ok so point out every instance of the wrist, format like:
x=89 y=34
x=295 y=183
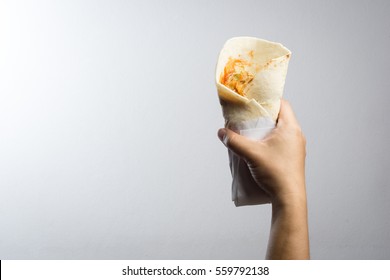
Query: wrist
x=293 y=197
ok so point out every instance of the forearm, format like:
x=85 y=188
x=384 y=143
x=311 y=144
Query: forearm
x=289 y=238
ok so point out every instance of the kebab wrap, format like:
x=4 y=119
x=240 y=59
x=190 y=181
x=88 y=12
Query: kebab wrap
x=250 y=77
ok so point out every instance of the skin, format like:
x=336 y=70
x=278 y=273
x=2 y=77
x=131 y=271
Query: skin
x=277 y=163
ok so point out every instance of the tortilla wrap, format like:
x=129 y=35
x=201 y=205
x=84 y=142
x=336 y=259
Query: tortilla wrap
x=250 y=77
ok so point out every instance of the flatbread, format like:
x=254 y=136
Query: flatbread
x=267 y=62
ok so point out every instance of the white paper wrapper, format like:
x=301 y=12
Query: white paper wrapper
x=245 y=191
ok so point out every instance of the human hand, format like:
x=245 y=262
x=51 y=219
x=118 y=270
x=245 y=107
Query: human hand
x=277 y=163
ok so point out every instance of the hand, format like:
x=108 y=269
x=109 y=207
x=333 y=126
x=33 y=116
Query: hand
x=277 y=163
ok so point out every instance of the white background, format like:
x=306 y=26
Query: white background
x=192 y=269
x=109 y=115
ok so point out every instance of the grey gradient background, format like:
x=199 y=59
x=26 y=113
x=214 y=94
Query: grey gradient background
x=109 y=115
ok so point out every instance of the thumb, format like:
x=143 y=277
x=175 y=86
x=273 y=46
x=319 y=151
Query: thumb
x=237 y=143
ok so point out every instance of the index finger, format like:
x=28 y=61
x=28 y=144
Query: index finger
x=286 y=114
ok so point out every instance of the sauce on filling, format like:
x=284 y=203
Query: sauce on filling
x=236 y=75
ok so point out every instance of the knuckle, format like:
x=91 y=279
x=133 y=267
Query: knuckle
x=304 y=139
x=230 y=140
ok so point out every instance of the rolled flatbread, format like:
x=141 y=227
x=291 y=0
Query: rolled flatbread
x=250 y=77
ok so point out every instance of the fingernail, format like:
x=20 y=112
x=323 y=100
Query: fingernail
x=222 y=135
